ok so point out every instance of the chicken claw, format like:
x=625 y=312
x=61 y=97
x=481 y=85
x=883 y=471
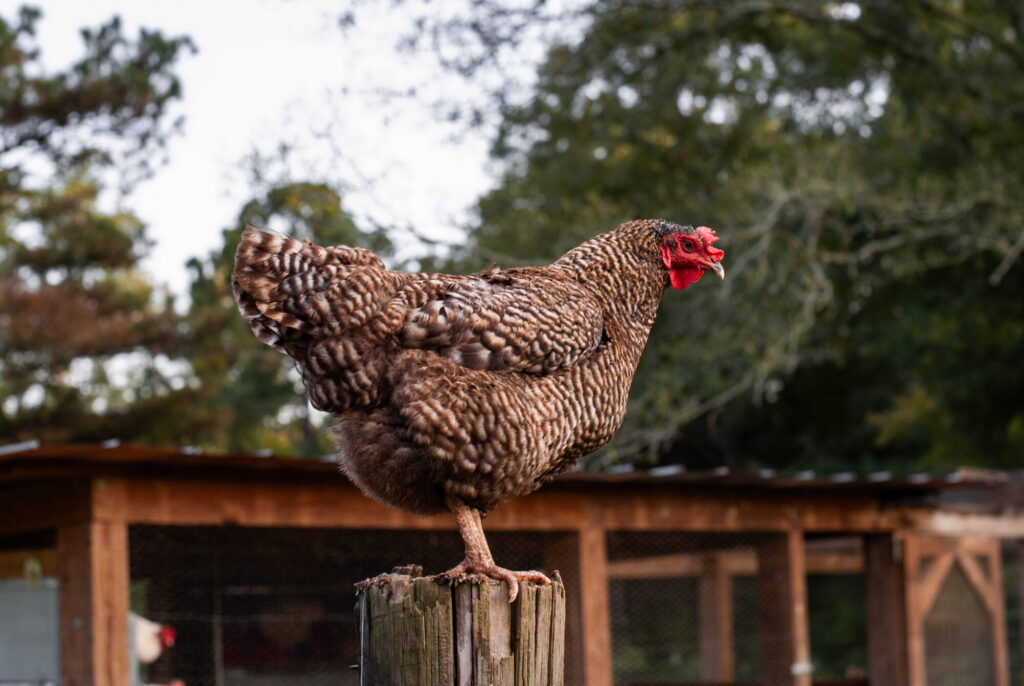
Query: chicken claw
x=493 y=571
x=478 y=554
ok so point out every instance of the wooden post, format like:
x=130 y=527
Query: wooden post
x=887 y=623
x=421 y=631
x=94 y=604
x=594 y=603
x=782 y=606
x=717 y=661
x=1020 y=594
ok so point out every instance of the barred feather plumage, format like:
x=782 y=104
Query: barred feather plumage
x=480 y=387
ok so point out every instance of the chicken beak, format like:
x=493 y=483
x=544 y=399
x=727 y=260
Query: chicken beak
x=717 y=268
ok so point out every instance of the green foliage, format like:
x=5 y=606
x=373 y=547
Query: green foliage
x=111 y=105
x=89 y=350
x=86 y=344
x=861 y=164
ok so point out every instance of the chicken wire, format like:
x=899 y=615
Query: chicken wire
x=274 y=606
x=270 y=606
x=958 y=637
x=703 y=608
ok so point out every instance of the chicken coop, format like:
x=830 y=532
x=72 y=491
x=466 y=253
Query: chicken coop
x=672 y=577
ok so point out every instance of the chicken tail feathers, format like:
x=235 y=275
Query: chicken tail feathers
x=285 y=287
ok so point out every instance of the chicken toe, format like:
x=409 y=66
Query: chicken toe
x=478 y=558
x=493 y=571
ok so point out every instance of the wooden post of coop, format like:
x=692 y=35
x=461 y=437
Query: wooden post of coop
x=425 y=631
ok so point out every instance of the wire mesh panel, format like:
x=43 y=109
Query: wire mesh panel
x=274 y=606
x=692 y=608
x=958 y=636
x=837 y=609
x=956 y=619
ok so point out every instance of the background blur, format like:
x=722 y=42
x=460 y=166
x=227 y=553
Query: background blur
x=861 y=162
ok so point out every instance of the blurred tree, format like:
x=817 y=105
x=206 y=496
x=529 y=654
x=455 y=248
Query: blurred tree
x=862 y=164
x=251 y=391
x=86 y=347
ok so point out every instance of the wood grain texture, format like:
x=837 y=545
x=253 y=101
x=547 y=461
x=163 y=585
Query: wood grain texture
x=421 y=631
x=94 y=604
x=782 y=609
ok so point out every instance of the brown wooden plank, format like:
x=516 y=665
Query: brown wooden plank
x=991 y=597
x=1020 y=592
x=885 y=609
x=1001 y=656
x=801 y=669
x=335 y=503
x=734 y=562
x=43 y=505
x=947 y=523
x=93 y=602
x=913 y=609
x=717 y=661
x=75 y=605
x=595 y=611
x=782 y=609
x=562 y=554
x=930 y=583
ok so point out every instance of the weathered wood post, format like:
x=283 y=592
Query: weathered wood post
x=427 y=631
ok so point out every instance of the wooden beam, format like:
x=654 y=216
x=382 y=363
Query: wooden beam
x=1002 y=658
x=782 y=610
x=562 y=554
x=336 y=503
x=93 y=600
x=795 y=552
x=887 y=658
x=1020 y=594
x=44 y=505
x=733 y=562
x=928 y=583
x=595 y=610
x=717 y=659
x=963 y=524
x=913 y=610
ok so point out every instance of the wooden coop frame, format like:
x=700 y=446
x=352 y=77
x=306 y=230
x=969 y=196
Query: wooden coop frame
x=91 y=495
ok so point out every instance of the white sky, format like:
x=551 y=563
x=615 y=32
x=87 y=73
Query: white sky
x=268 y=70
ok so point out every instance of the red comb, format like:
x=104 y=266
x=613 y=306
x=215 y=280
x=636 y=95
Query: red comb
x=167 y=635
x=708 y=236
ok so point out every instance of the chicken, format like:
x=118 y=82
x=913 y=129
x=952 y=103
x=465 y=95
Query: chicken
x=149 y=639
x=459 y=392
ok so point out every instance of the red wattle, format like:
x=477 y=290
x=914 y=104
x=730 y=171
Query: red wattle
x=681 y=277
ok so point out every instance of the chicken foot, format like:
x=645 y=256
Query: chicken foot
x=478 y=558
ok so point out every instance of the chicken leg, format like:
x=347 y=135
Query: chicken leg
x=478 y=558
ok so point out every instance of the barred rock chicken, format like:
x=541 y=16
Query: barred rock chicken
x=458 y=392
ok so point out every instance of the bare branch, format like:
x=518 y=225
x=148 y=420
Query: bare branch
x=1008 y=261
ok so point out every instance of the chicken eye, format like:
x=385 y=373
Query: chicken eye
x=688 y=245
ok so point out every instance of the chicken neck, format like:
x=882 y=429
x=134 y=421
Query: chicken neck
x=478 y=558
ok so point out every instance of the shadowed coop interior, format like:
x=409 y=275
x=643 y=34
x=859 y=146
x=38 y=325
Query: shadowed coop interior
x=268 y=606
x=272 y=605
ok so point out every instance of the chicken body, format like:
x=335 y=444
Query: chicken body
x=459 y=392
x=149 y=638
